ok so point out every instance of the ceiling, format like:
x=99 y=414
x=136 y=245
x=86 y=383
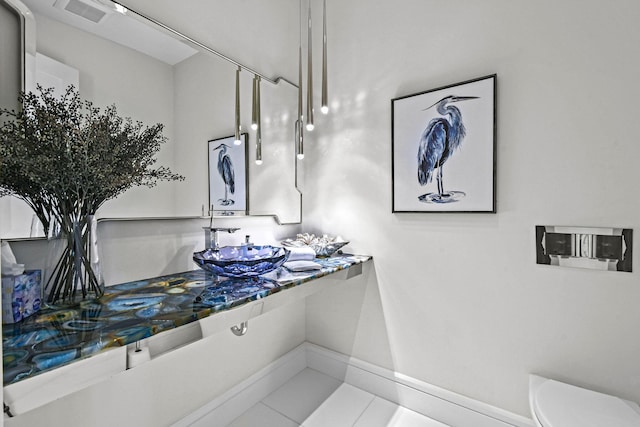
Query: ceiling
x=103 y=19
x=260 y=34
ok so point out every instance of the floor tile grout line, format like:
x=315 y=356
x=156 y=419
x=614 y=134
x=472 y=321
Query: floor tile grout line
x=365 y=409
x=275 y=410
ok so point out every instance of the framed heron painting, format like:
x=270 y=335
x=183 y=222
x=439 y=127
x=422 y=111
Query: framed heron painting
x=443 y=147
x=228 y=176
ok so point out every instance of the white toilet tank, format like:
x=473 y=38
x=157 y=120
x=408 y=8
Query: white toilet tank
x=556 y=404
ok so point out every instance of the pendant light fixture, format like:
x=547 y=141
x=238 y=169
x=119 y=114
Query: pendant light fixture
x=325 y=102
x=254 y=107
x=258 y=121
x=299 y=121
x=299 y=128
x=310 y=124
x=237 y=140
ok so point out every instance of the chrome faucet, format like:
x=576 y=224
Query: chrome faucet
x=211 y=236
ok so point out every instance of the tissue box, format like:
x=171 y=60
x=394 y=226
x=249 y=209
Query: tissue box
x=21 y=296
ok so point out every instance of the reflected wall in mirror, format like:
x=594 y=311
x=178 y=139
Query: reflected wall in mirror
x=155 y=78
x=10 y=69
x=17 y=53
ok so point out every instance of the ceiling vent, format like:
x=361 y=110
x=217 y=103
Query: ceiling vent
x=87 y=10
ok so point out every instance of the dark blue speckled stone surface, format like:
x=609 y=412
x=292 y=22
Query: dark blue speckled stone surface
x=136 y=310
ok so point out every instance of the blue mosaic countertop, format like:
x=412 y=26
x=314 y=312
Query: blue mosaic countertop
x=132 y=311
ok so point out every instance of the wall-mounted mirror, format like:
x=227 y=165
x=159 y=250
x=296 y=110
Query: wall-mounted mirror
x=117 y=57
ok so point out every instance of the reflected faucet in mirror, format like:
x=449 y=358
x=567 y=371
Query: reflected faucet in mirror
x=211 y=236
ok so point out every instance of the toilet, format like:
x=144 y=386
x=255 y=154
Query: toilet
x=556 y=404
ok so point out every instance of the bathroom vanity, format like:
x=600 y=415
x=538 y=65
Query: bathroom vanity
x=90 y=340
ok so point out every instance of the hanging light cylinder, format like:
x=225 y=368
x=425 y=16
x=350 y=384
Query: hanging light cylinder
x=237 y=140
x=325 y=95
x=258 y=122
x=310 y=124
x=254 y=106
x=299 y=121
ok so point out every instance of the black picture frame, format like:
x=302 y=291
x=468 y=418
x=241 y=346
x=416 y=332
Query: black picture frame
x=428 y=146
x=230 y=198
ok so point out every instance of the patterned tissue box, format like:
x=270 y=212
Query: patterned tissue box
x=21 y=296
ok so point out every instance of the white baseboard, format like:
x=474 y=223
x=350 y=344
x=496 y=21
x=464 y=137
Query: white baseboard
x=434 y=402
x=222 y=410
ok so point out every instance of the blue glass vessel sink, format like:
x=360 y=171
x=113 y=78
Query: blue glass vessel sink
x=241 y=261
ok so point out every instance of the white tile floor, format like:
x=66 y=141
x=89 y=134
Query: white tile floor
x=312 y=399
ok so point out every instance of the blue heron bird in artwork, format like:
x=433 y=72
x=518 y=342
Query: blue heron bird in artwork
x=225 y=169
x=442 y=136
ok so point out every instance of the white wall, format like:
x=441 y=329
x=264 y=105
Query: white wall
x=457 y=299
x=140 y=249
x=134 y=250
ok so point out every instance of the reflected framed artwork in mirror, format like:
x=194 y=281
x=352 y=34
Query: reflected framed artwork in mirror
x=228 y=176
